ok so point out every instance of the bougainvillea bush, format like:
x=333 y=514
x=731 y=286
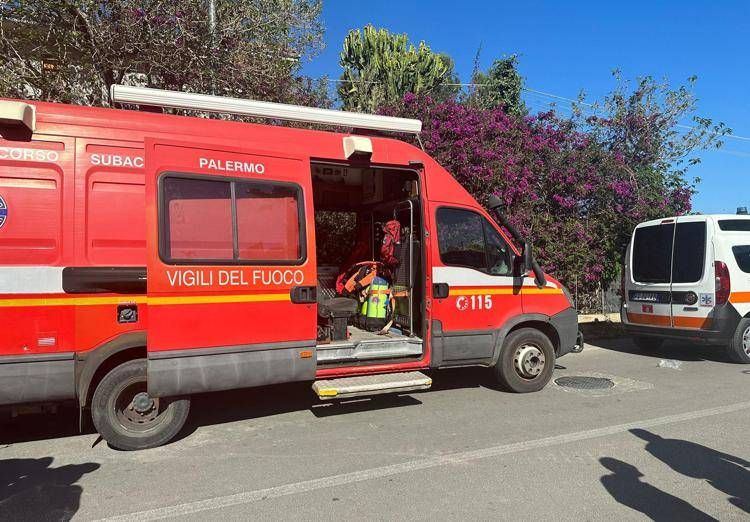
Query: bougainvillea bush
x=576 y=199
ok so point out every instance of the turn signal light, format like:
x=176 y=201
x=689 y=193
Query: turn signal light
x=305 y=354
x=723 y=282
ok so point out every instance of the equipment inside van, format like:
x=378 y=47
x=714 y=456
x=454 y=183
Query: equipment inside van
x=688 y=278
x=148 y=257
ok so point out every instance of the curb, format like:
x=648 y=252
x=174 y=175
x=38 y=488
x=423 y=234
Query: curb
x=599 y=318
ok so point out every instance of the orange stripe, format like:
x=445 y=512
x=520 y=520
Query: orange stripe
x=655 y=320
x=692 y=322
x=740 y=297
x=664 y=320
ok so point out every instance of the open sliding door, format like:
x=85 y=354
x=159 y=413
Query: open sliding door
x=231 y=268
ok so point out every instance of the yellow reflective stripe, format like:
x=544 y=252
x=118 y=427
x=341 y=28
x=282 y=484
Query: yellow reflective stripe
x=504 y=291
x=142 y=299
x=532 y=291
x=212 y=299
x=70 y=301
x=328 y=392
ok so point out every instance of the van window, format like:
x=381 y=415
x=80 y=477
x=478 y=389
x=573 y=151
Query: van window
x=742 y=255
x=267 y=222
x=652 y=253
x=199 y=219
x=466 y=239
x=689 y=252
x=735 y=225
x=227 y=221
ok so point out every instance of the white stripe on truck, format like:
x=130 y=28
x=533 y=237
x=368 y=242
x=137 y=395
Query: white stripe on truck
x=31 y=280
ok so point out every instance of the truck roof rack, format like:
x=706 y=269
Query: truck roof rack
x=125 y=94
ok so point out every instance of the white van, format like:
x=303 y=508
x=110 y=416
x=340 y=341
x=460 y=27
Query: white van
x=688 y=278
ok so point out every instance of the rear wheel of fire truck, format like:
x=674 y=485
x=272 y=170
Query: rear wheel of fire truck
x=127 y=417
x=739 y=349
x=526 y=362
x=647 y=344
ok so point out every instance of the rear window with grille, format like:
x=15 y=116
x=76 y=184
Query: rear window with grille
x=652 y=253
x=689 y=252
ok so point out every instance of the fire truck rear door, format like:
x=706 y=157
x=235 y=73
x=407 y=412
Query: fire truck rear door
x=231 y=268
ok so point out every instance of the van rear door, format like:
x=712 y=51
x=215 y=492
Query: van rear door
x=693 y=285
x=231 y=268
x=648 y=290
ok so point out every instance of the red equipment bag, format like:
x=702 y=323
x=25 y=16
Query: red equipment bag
x=391 y=237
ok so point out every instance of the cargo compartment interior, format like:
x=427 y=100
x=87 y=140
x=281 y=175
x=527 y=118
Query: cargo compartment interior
x=352 y=204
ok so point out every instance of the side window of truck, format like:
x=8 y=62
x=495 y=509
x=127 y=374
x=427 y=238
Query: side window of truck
x=230 y=221
x=742 y=255
x=466 y=239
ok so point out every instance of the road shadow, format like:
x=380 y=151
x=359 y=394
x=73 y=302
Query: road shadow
x=625 y=485
x=63 y=422
x=237 y=405
x=678 y=350
x=727 y=473
x=253 y=403
x=31 y=489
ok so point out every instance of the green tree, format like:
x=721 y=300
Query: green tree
x=380 y=67
x=499 y=87
x=74 y=50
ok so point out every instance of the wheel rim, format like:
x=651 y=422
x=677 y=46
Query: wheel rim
x=529 y=361
x=746 y=341
x=135 y=410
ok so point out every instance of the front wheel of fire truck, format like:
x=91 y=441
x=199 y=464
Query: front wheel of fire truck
x=739 y=347
x=127 y=417
x=526 y=361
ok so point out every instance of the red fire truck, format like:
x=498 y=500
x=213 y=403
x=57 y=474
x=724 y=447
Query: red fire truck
x=148 y=257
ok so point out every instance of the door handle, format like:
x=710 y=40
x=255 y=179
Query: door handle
x=304 y=294
x=440 y=290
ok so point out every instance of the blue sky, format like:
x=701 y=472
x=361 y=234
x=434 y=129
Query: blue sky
x=566 y=47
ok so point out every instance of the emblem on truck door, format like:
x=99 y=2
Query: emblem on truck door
x=3 y=212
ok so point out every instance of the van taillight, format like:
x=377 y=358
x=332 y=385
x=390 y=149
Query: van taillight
x=723 y=282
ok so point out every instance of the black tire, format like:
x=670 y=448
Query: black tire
x=526 y=361
x=647 y=344
x=127 y=418
x=739 y=348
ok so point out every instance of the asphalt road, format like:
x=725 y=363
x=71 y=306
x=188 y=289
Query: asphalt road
x=662 y=443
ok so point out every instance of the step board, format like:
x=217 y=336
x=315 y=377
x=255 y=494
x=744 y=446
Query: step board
x=383 y=348
x=371 y=385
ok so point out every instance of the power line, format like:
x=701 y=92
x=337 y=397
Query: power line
x=579 y=102
x=545 y=94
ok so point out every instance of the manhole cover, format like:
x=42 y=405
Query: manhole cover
x=585 y=383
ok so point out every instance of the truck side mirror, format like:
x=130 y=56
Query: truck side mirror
x=528 y=258
x=494 y=203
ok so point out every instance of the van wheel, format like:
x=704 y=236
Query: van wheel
x=647 y=344
x=127 y=417
x=739 y=349
x=526 y=362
